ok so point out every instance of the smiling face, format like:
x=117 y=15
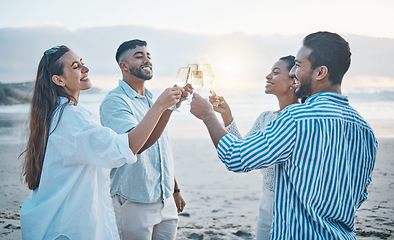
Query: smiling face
x=278 y=80
x=139 y=63
x=75 y=75
x=302 y=73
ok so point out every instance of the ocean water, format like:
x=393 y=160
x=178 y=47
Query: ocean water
x=376 y=105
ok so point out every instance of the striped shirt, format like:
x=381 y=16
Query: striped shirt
x=324 y=154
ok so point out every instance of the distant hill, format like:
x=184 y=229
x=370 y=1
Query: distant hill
x=15 y=93
x=22 y=48
x=20 y=93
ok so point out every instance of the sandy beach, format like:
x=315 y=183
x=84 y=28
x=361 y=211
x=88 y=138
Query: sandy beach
x=220 y=204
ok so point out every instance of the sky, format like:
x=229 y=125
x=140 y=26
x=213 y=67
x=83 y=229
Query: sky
x=284 y=17
x=373 y=18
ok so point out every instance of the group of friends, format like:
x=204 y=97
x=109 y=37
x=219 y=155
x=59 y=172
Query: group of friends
x=316 y=152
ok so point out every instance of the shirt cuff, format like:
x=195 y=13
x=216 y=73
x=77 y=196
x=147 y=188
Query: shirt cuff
x=233 y=129
x=125 y=149
x=230 y=126
x=224 y=144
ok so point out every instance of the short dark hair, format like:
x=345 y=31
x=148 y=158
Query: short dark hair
x=131 y=44
x=330 y=50
x=290 y=60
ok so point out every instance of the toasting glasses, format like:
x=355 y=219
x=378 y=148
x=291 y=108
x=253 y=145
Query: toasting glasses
x=201 y=72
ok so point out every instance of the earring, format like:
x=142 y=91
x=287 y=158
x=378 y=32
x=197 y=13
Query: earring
x=291 y=88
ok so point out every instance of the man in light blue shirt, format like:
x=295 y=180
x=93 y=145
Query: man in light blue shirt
x=145 y=195
x=323 y=150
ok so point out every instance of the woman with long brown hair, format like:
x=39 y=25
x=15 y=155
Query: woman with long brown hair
x=67 y=149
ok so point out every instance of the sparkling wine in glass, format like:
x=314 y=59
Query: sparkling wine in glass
x=194 y=63
x=197 y=80
x=208 y=75
x=181 y=81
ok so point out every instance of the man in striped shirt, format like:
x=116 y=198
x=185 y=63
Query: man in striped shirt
x=323 y=149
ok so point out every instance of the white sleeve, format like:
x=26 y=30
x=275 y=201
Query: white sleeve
x=233 y=129
x=261 y=122
x=78 y=138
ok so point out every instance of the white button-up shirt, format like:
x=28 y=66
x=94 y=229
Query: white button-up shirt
x=72 y=199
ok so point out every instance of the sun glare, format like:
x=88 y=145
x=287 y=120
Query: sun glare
x=227 y=71
x=228 y=66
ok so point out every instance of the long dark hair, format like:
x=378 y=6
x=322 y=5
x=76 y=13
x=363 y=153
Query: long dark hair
x=43 y=105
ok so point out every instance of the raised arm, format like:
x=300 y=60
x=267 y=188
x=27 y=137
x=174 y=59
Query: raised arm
x=165 y=117
x=156 y=133
x=203 y=110
x=142 y=132
x=221 y=106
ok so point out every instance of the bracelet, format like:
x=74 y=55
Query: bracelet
x=177 y=190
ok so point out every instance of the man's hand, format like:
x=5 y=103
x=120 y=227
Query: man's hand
x=169 y=97
x=179 y=202
x=201 y=108
x=186 y=91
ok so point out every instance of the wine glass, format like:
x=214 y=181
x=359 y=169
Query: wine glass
x=197 y=80
x=208 y=75
x=194 y=63
x=181 y=81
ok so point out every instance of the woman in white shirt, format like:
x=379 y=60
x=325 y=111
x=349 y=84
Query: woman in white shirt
x=280 y=84
x=67 y=149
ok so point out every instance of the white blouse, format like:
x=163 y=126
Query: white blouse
x=260 y=124
x=264 y=220
x=72 y=200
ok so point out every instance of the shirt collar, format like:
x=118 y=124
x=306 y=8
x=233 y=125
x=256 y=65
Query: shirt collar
x=131 y=93
x=332 y=96
x=61 y=100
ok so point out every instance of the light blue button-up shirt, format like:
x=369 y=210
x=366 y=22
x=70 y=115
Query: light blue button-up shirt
x=151 y=178
x=324 y=154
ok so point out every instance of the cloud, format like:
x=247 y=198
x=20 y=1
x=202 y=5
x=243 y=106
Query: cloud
x=252 y=55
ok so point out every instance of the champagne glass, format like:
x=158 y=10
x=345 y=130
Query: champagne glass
x=208 y=75
x=193 y=65
x=181 y=81
x=197 y=80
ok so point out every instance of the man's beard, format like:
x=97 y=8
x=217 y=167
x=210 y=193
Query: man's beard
x=137 y=72
x=305 y=88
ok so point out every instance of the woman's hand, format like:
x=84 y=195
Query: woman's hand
x=221 y=106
